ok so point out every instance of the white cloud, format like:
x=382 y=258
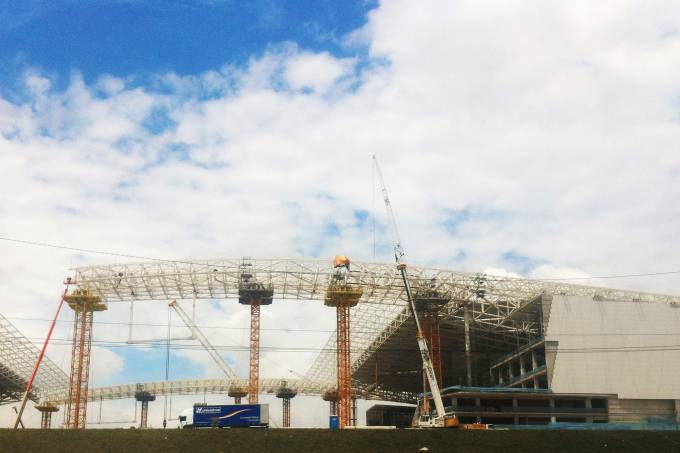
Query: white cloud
x=316 y=71
x=111 y=85
x=37 y=84
x=549 y=131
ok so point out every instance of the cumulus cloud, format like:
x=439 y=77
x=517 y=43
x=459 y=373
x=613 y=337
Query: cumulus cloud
x=523 y=138
x=316 y=72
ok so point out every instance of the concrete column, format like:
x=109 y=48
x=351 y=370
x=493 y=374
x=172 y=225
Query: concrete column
x=145 y=414
x=478 y=404
x=286 y=395
x=46 y=410
x=237 y=393
x=589 y=405
x=553 y=419
x=144 y=397
x=468 y=359
x=514 y=409
x=534 y=362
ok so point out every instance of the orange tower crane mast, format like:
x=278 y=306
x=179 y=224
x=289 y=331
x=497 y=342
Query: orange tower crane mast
x=83 y=304
x=253 y=293
x=254 y=361
x=428 y=302
x=342 y=295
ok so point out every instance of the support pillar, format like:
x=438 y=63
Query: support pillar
x=254 y=362
x=237 y=393
x=589 y=406
x=534 y=365
x=430 y=324
x=144 y=397
x=255 y=294
x=46 y=410
x=553 y=419
x=428 y=303
x=344 y=365
x=468 y=354
x=84 y=304
x=286 y=394
x=343 y=296
x=332 y=397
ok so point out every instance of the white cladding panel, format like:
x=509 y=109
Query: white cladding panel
x=628 y=348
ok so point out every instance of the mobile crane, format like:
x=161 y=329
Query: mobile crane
x=441 y=419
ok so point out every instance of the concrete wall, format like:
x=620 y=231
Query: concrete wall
x=641 y=410
x=612 y=348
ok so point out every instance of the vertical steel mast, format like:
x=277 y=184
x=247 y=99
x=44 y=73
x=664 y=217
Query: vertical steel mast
x=399 y=256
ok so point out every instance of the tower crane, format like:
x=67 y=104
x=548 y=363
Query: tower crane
x=441 y=418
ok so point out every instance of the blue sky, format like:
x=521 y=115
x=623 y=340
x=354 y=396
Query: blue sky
x=129 y=37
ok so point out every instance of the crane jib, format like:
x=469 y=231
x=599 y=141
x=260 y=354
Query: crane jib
x=398 y=256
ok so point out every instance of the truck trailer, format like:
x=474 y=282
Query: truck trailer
x=225 y=416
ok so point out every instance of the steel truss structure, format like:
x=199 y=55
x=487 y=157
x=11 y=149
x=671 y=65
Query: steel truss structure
x=84 y=304
x=254 y=354
x=496 y=306
x=17 y=359
x=218 y=386
x=344 y=365
x=286 y=394
x=286 y=412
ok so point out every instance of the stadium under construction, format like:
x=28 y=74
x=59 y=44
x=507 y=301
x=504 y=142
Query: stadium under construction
x=506 y=351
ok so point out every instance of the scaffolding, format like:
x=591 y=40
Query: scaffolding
x=83 y=304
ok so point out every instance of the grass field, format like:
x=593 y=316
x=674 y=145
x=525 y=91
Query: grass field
x=316 y=440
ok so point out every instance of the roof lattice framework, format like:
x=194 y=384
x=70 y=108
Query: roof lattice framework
x=497 y=304
x=17 y=359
